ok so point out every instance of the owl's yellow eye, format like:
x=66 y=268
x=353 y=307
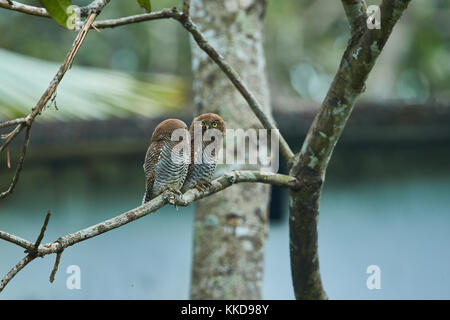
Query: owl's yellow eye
x=215 y=124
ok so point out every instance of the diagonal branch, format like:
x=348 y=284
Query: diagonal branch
x=14 y=270
x=310 y=164
x=356 y=14
x=348 y=83
x=41 y=234
x=203 y=43
x=49 y=92
x=32 y=254
x=152 y=206
x=19 y=165
x=10 y=136
x=27 y=245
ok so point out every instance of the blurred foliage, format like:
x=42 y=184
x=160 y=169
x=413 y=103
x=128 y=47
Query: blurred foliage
x=85 y=93
x=305 y=40
x=145 y=4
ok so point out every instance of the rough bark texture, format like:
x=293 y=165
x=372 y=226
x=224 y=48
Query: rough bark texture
x=230 y=227
x=310 y=164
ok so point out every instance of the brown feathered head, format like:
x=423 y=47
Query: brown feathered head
x=208 y=121
x=165 y=128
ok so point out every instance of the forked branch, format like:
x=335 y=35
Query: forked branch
x=27 y=122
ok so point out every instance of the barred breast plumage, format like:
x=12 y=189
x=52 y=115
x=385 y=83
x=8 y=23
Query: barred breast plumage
x=164 y=169
x=200 y=174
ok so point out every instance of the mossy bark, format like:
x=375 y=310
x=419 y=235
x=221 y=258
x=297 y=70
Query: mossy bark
x=230 y=227
x=310 y=164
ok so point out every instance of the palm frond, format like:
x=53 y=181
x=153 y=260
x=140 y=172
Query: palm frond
x=84 y=93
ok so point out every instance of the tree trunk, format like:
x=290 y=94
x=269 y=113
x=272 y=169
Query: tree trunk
x=230 y=227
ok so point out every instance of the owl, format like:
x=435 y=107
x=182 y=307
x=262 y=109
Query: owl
x=166 y=161
x=203 y=164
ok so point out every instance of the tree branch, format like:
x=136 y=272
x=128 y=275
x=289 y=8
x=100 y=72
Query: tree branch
x=19 y=165
x=11 y=274
x=349 y=82
x=32 y=254
x=10 y=136
x=96 y=6
x=155 y=15
x=152 y=206
x=12 y=122
x=55 y=266
x=27 y=245
x=310 y=164
x=186 y=7
x=356 y=14
x=41 y=234
x=24 y=8
x=203 y=43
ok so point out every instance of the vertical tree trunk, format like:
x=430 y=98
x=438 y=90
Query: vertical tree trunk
x=230 y=227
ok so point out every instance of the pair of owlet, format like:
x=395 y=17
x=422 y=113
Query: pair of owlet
x=166 y=166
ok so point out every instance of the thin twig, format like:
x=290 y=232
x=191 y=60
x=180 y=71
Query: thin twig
x=27 y=245
x=42 y=12
x=155 y=15
x=19 y=165
x=186 y=7
x=24 y=8
x=49 y=92
x=19 y=266
x=55 y=266
x=41 y=234
x=32 y=253
x=203 y=43
x=10 y=136
x=8 y=159
x=233 y=76
x=356 y=14
x=12 y=122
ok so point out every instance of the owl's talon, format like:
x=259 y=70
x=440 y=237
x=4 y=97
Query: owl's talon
x=177 y=192
x=173 y=195
x=207 y=185
x=203 y=186
x=199 y=187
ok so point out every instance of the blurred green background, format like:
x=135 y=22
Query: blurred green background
x=385 y=200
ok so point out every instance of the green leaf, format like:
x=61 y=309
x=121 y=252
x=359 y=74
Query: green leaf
x=145 y=4
x=61 y=11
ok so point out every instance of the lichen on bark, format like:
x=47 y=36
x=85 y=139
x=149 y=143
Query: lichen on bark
x=229 y=253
